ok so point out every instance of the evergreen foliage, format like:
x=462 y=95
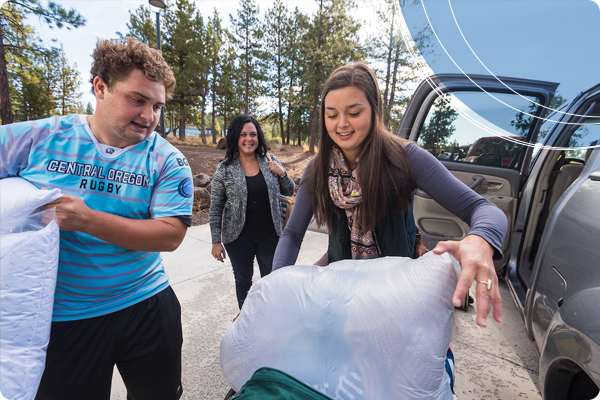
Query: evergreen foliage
x=28 y=88
x=272 y=65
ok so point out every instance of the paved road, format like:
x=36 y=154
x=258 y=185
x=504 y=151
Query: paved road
x=494 y=363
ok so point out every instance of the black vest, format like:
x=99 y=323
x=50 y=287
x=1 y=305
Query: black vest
x=395 y=235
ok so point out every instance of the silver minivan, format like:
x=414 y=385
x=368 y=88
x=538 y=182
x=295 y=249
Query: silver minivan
x=544 y=174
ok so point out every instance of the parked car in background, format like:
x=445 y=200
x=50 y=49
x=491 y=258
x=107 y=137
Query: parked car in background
x=548 y=184
x=495 y=150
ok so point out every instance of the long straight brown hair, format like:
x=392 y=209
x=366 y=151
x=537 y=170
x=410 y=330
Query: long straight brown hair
x=383 y=171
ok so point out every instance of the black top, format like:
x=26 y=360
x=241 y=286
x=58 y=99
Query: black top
x=259 y=222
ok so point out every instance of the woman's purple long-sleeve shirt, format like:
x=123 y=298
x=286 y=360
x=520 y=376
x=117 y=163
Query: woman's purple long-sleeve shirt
x=428 y=174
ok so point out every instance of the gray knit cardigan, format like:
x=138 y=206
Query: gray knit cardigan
x=229 y=196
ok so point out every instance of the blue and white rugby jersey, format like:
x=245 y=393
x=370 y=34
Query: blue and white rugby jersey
x=151 y=179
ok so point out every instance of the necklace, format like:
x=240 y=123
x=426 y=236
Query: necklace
x=246 y=170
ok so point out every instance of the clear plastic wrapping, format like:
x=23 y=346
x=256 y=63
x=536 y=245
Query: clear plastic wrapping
x=29 y=246
x=376 y=329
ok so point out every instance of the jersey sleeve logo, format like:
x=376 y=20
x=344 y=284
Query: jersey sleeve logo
x=186 y=188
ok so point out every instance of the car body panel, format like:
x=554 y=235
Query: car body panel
x=566 y=352
x=572 y=236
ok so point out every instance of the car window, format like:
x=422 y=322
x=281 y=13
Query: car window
x=585 y=137
x=543 y=133
x=582 y=140
x=475 y=127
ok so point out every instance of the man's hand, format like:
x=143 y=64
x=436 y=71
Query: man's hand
x=72 y=214
x=159 y=234
x=475 y=257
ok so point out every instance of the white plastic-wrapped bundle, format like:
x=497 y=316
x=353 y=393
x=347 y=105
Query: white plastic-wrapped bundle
x=376 y=329
x=28 y=267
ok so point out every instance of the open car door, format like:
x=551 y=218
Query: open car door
x=480 y=128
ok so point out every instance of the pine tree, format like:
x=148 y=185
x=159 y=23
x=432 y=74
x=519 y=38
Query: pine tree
x=67 y=96
x=230 y=100
x=12 y=13
x=330 y=42
x=389 y=48
x=35 y=75
x=182 y=51
x=296 y=26
x=276 y=39
x=141 y=26
x=217 y=40
x=441 y=124
x=247 y=35
x=204 y=69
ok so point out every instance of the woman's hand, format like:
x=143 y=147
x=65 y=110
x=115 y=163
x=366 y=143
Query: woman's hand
x=276 y=169
x=475 y=256
x=218 y=252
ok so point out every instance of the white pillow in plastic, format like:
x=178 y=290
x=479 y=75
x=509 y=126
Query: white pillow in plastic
x=376 y=329
x=19 y=199
x=28 y=269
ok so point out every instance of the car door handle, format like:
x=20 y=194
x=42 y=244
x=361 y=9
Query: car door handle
x=478 y=181
x=493 y=186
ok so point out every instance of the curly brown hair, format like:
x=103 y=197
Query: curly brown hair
x=114 y=59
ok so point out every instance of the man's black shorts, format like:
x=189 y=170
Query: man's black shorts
x=143 y=340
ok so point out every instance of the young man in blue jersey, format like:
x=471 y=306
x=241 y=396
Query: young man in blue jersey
x=127 y=195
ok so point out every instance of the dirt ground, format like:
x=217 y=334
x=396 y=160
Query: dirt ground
x=204 y=158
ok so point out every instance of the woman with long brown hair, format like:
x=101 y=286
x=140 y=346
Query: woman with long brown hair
x=360 y=185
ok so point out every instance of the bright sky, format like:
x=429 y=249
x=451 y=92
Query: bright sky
x=553 y=41
x=106 y=17
x=534 y=39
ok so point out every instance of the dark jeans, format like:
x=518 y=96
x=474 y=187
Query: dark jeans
x=143 y=340
x=241 y=253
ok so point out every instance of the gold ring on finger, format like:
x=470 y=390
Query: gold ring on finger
x=487 y=283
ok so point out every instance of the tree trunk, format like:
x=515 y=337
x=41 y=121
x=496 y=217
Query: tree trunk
x=386 y=101
x=214 y=116
x=202 y=122
x=313 y=116
x=281 y=131
x=313 y=125
x=287 y=125
x=25 y=107
x=394 y=81
x=181 y=122
x=290 y=95
x=299 y=133
x=247 y=72
x=315 y=111
x=6 y=108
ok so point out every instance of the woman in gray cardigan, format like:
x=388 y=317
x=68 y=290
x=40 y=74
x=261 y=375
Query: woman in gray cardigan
x=245 y=208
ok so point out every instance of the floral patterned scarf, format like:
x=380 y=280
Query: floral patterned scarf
x=345 y=191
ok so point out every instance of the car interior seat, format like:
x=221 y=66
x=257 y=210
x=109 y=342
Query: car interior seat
x=566 y=176
x=562 y=176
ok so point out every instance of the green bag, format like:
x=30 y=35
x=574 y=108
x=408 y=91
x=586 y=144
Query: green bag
x=271 y=384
